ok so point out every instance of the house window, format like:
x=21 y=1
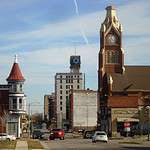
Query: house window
x=60 y=97
x=61 y=108
x=60 y=91
x=60 y=81
x=20 y=87
x=78 y=81
x=14 y=103
x=60 y=86
x=14 y=87
x=20 y=103
x=60 y=102
x=78 y=86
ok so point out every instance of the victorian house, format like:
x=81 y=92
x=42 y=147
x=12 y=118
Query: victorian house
x=12 y=102
x=124 y=91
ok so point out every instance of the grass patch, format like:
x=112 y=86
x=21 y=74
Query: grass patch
x=129 y=142
x=34 y=144
x=8 y=144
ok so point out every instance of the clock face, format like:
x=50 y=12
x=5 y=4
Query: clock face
x=76 y=60
x=111 y=39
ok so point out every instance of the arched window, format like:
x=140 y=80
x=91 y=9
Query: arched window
x=112 y=57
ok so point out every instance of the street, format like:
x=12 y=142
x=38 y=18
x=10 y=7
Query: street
x=86 y=144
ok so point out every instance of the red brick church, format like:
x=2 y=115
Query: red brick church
x=124 y=91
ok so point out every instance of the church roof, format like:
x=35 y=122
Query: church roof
x=135 y=78
x=15 y=73
x=123 y=102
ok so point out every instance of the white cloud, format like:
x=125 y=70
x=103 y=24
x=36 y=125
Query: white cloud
x=134 y=18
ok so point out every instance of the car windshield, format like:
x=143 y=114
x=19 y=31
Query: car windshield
x=56 y=129
x=3 y=134
x=101 y=133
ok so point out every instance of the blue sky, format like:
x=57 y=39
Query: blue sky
x=44 y=33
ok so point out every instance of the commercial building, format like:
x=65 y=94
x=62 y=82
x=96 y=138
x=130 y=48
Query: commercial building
x=50 y=110
x=63 y=83
x=83 y=109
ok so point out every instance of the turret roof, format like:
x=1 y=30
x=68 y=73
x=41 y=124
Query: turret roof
x=15 y=73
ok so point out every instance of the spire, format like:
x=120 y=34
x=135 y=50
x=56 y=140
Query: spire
x=16 y=59
x=111 y=19
x=15 y=73
x=111 y=11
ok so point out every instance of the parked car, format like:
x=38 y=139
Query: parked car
x=57 y=133
x=81 y=131
x=88 y=134
x=5 y=136
x=45 y=135
x=37 y=134
x=100 y=136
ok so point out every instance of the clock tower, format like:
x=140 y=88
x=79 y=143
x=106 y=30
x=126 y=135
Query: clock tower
x=111 y=61
x=111 y=54
x=75 y=64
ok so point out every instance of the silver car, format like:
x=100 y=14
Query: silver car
x=100 y=136
x=5 y=136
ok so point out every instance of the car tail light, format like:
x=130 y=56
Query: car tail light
x=60 y=133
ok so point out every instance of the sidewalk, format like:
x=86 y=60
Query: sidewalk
x=134 y=140
x=21 y=145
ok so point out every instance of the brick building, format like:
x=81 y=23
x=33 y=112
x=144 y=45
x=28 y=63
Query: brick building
x=123 y=90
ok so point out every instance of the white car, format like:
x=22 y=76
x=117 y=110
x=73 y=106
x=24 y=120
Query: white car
x=100 y=136
x=5 y=136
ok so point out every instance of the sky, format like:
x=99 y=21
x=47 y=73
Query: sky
x=45 y=33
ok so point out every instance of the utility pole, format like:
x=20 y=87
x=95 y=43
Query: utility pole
x=87 y=115
x=148 y=114
x=29 y=118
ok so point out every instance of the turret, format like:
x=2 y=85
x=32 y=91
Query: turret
x=17 y=103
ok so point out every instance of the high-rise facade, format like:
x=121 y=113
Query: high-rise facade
x=64 y=82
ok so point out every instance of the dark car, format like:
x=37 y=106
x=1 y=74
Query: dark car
x=37 y=134
x=57 y=133
x=88 y=134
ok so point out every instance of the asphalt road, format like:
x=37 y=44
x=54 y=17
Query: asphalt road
x=86 y=144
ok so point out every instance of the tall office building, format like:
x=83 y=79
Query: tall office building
x=64 y=82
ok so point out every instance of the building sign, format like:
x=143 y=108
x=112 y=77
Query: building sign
x=127 y=126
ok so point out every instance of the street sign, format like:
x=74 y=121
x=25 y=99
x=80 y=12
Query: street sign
x=126 y=124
